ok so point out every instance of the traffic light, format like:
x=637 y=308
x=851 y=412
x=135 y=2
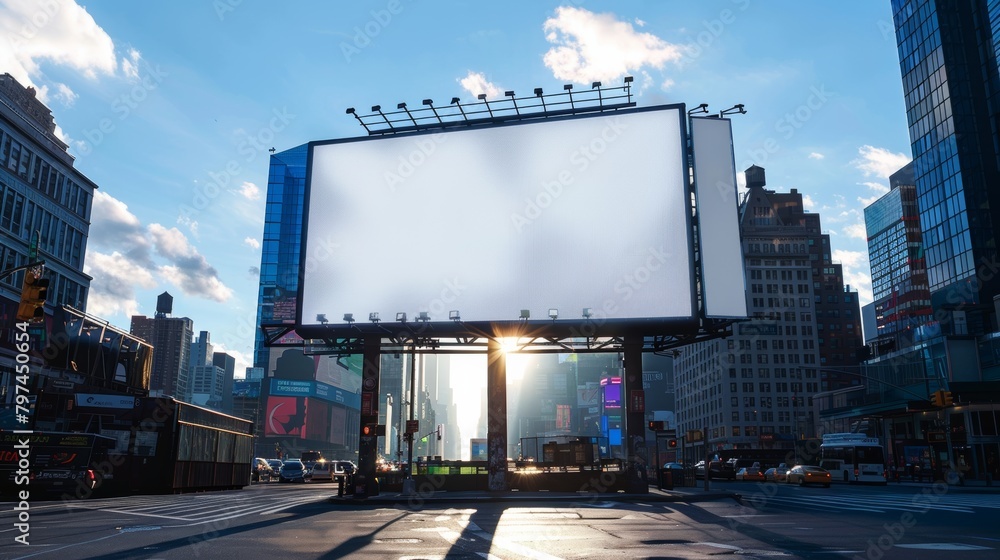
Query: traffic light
x=368 y=430
x=34 y=290
x=656 y=425
x=672 y=443
x=942 y=398
x=440 y=431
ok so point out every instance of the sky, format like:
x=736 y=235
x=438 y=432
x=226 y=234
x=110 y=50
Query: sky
x=171 y=109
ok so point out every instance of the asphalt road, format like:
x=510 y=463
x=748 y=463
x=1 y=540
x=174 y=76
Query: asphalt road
x=301 y=521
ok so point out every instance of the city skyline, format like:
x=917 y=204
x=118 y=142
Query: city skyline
x=174 y=128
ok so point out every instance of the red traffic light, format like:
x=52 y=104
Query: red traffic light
x=672 y=443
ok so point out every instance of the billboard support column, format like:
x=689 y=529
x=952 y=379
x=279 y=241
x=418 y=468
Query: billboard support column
x=496 y=421
x=637 y=457
x=368 y=442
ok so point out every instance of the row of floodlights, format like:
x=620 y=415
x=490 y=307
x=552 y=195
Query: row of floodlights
x=482 y=97
x=453 y=315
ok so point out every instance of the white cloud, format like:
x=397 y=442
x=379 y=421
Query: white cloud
x=878 y=188
x=667 y=84
x=849 y=258
x=640 y=22
x=249 y=191
x=66 y=95
x=115 y=280
x=476 y=83
x=60 y=32
x=865 y=202
x=598 y=47
x=188 y=269
x=251 y=242
x=808 y=203
x=816 y=155
x=120 y=234
x=130 y=64
x=118 y=229
x=879 y=162
x=856 y=231
x=856 y=272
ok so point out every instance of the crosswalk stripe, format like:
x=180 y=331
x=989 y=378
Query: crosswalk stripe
x=218 y=509
x=822 y=504
x=880 y=504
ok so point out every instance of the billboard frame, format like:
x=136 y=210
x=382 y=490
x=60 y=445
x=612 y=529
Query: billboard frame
x=582 y=327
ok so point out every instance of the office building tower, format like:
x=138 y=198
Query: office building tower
x=171 y=341
x=228 y=365
x=899 y=277
x=948 y=59
x=43 y=201
x=753 y=389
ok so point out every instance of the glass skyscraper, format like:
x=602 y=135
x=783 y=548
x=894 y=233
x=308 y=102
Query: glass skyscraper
x=282 y=244
x=948 y=52
x=899 y=277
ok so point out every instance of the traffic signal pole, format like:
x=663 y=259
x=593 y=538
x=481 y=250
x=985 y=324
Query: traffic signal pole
x=409 y=486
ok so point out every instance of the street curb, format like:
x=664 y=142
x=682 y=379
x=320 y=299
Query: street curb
x=525 y=497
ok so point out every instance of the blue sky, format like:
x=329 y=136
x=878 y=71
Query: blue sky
x=170 y=107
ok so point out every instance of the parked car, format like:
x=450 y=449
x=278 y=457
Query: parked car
x=716 y=469
x=322 y=471
x=343 y=468
x=292 y=470
x=750 y=474
x=776 y=474
x=275 y=465
x=260 y=470
x=699 y=470
x=808 y=474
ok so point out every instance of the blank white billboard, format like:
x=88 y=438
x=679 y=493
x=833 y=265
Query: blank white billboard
x=567 y=214
x=722 y=270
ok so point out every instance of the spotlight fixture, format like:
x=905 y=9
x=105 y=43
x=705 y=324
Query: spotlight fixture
x=423 y=317
x=321 y=318
x=430 y=103
x=373 y=317
x=456 y=101
x=525 y=314
x=588 y=313
x=538 y=94
x=553 y=314
x=703 y=108
x=482 y=97
x=401 y=317
x=513 y=99
x=738 y=108
x=348 y=318
x=454 y=316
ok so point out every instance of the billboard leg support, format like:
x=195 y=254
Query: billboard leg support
x=496 y=422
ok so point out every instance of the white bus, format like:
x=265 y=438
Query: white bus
x=853 y=458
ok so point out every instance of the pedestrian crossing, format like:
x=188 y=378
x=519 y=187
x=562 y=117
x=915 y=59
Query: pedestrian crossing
x=193 y=509
x=874 y=503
